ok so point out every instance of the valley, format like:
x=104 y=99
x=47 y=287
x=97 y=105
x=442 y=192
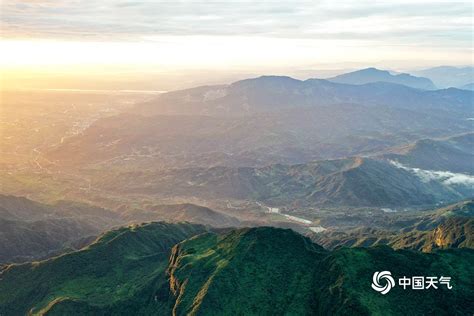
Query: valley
x=247 y=158
x=150 y=202
x=356 y=153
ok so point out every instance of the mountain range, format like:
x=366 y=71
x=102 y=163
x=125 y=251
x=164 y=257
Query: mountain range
x=344 y=182
x=184 y=269
x=273 y=93
x=61 y=231
x=371 y=170
x=392 y=179
x=284 y=141
x=256 y=122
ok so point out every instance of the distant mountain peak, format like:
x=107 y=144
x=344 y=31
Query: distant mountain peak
x=371 y=75
x=372 y=69
x=266 y=79
x=275 y=77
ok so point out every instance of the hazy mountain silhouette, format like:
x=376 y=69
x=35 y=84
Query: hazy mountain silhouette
x=273 y=93
x=448 y=76
x=268 y=120
x=370 y=75
x=469 y=86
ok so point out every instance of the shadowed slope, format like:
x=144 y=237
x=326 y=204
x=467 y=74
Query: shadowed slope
x=449 y=227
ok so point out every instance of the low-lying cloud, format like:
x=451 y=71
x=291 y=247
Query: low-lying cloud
x=445 y=177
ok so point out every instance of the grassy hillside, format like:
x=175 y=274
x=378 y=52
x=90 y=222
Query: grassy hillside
x=247 y=272
x=269 y=271
x=120 y=269
x=180 y=269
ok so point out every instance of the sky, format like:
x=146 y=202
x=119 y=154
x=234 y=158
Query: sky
x=246 y=36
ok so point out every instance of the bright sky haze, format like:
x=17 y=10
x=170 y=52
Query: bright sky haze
x=257 y=36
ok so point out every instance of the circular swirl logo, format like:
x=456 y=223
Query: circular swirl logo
x=381 y=276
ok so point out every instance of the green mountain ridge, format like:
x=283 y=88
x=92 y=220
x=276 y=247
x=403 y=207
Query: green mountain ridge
x=120 y=265
x=182 y=269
